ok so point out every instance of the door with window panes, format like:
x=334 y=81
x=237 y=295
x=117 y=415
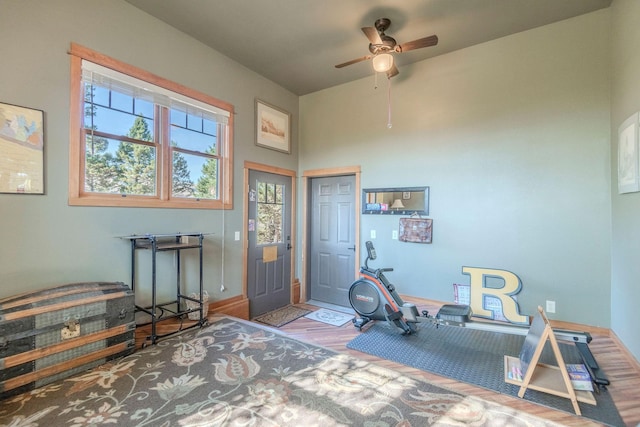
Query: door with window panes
x=269 y=242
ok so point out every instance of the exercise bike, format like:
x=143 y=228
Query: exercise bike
x=373 y=297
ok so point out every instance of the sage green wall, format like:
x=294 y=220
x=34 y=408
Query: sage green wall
x=512 y=136
x=625 y=100
x=45 y=241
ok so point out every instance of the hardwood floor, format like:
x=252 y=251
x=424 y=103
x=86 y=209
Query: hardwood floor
x=620 y=367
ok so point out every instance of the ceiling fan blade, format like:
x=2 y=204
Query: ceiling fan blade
x=418 y=44
x=393 y=72
x=353 y=61
x=372 y=35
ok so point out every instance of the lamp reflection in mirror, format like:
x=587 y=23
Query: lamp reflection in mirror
x=382 y=62
x=397 y=204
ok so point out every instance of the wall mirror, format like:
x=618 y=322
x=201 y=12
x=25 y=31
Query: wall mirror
x=396 y=201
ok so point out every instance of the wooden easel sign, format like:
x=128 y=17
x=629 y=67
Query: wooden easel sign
x=527 y=372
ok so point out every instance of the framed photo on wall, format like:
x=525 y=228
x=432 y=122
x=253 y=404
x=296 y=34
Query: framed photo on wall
x=628 y=156
x=273 y=127
x=21 y=150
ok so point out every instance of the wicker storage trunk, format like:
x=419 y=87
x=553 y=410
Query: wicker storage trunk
x=55 y=333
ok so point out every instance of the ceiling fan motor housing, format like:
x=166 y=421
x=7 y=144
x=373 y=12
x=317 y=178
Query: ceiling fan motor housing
x=388 y=45
x=382 y=24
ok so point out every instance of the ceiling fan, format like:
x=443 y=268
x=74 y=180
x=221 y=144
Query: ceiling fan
x=382 y=46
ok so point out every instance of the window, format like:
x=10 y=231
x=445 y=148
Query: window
x=140 y=140
x=270 y=213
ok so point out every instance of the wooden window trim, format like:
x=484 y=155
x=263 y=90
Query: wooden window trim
x=77 y=195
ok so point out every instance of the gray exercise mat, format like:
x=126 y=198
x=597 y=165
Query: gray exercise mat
x=475 y=357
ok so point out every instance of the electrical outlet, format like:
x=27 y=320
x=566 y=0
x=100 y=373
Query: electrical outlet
x=551 y=307
x=222 y=288
x=373 y=234
x=394 y=234
x=237 y=236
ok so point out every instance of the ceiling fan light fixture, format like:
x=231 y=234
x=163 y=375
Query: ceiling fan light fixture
x=382 y=62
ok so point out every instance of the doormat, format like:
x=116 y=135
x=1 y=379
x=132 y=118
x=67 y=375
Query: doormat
x=282 y=316
x=475 y=357
x=329 y=317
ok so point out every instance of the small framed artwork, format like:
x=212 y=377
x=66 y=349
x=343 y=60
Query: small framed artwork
x=628 y=156
x=273 y=127
x=21 y=150
x=406 y=195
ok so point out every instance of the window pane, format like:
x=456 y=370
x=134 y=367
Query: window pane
x=187 y=132
x=121 y=102
x=194 y=123
x=270 y=212
x=101 y=166
x=102 y=116
x=194 y=176
x=100 y=95
x=178 y=118
x=210 y=127
x=271 y=190
x=118 y=167
x=143 y=108
x=138 y=165
x=269 y=223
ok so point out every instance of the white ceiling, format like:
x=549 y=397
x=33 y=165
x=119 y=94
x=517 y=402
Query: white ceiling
x=296 y=43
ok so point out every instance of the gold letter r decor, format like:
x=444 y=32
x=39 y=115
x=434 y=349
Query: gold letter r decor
x=479 y=291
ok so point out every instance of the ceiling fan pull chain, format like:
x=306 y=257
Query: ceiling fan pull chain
x=389 y=125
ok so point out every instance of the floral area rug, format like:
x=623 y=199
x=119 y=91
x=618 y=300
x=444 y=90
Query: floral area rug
x=282 y=316
x=233 y=373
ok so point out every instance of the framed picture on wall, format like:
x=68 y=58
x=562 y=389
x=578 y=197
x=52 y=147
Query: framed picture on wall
x=21 y=150
x=273 y=127
x=628 y=156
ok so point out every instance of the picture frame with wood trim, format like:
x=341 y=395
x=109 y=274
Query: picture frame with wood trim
x=273 y=127
x=21 y=150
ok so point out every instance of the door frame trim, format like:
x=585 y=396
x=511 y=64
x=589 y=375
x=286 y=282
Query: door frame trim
x=306 y=200
x=248 y=166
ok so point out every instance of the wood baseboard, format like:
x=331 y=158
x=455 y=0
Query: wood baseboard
x=295 y=292
x=625 y=352
x=237 y=306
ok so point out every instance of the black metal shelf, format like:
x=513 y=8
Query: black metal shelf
x=165 y=311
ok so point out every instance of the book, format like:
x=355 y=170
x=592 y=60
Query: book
x=579 y=376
